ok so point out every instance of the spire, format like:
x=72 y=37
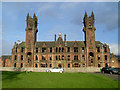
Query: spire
x=27 y=16
x=34 y=15
x=85 y=14
x=92 y=15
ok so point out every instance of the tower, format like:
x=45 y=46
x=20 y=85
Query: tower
x=31 y=34
x=89 y=31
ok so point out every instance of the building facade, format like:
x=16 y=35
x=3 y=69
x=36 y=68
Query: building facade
x=60 y=52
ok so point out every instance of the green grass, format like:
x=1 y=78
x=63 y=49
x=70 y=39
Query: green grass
x=56 y=80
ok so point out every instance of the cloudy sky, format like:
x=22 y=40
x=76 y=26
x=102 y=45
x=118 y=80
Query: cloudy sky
x=55 y=17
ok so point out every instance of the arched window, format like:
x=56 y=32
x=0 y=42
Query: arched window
x=21 y=57
x=36 y=57
x=91 y=54
x=99 y=65
x=21 y=65
x=36 y=65
x=22 y=49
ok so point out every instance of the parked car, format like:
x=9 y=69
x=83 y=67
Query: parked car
x=110 y=70
x=55 y=69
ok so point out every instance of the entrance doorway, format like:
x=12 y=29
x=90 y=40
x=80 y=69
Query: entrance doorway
x=59 y=65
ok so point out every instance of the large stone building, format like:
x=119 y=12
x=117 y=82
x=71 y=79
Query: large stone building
x=60 y=52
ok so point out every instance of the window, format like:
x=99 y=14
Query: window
x=98 y=57
x=76 y=65
x=99 y=65
x=22 y=49
x=50 y=57
x=21 y=65
x=36 y=50
x=106 y=65
x=43 y=65
x=36 y=65
x=91 y=60
x=98 y=49
x=62 y=49
x=82 y=49
x=29 y=60
x=68 y=65
x=105 y=49
x=59 y=49
x=56 y=58
x=50 y=65
x=43 y=49
x=36 y=57
x=83 y=58
x=56 y=49
x=16 y=49
x=14 y=64
x=83 y=65
x=76 y=57
x=68 y=57
x=15 y=57
x=50 y=49
x=105 y=57
x=46 y=65
x=43 y=58
x=62 y=57
x=91 y=54
x=21 y=57
x=75 y=49
x=68 y=49
x=59 y=57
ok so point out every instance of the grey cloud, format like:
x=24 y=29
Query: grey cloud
x=105 y=14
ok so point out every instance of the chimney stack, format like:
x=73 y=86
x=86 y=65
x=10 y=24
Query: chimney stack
x=64 y=37
x=55 y=37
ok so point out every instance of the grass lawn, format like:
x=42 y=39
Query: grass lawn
x=56 y=80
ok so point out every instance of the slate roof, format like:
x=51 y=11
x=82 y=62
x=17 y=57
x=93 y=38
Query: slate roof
x=53 y=44
x=4 y=57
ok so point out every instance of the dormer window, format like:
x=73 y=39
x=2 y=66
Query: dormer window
x=43 y=49
x=75 y=49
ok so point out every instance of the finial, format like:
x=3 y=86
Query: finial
x=85 y=14
x=27 y=16
x=55 y=37
x=92 y=15
x=34 y=15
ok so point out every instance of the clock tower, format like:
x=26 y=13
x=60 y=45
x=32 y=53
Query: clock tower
x=31 y=34
x=89 y=31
